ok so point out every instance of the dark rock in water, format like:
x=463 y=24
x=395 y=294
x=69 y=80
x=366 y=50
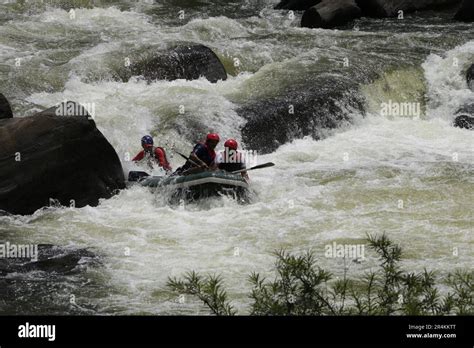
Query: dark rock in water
x=183 y=62
x=5 y=109
x=296 y=5
x=466 y=11
x=330 y=14
x=306 y=111
x=61 y=158
x=464 y=121
x=465 y=117
x=46 y=284
x=49 y=258
x=470 y=77
x=391 y=8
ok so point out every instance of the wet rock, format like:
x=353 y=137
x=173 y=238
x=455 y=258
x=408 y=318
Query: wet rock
x=5 y=109
x=330 y=14
x=391 y=8
x=296 y=5
x=464 y=121
x=49 y=258
x=465 y=117
x=329 y=102
x=48 y=159
x=183 y=62
x=470 y=77
x=44 y=286
x=466 y=11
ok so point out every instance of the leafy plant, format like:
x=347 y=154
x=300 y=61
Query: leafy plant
x=208 y=289
x=301 y=287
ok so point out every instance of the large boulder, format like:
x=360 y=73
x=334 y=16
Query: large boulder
x=470 y=77
x=296 y=5
x=330 y=14
x=5 y=109
x=47 y=159
x=182 y=62
x=466 y=11
x=391 y=8
x=328 y=103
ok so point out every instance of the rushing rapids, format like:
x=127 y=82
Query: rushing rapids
x=343 y=169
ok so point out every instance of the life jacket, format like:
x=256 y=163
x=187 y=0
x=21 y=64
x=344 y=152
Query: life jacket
x=211 y=152
x=151 y=156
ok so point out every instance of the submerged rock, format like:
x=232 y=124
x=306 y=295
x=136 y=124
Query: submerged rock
x=465 y=117
x=330 y=14
x=466 y=11
x=49 y=258
x=391 y=8
x=50 y=284
x=48 y=159
x=5 y=109
x=182 y=62
x=464 y=121
x=306 y=111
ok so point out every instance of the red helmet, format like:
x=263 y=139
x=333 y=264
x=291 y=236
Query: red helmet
x=213 y=136
x=231 y=144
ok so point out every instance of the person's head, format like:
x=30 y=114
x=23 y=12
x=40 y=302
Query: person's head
x=231 y=144
x=147 y=142
x=212 y=140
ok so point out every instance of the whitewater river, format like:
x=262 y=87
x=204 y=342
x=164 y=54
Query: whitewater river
x=410 y=177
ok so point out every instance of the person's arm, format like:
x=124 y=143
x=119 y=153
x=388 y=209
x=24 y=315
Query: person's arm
x=139 y=157
x=161 y=157
x=196 y=159
x=195 y=156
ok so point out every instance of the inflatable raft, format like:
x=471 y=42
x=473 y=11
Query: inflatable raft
x=199 y=186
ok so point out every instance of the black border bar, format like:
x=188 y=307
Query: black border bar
x=195 y=330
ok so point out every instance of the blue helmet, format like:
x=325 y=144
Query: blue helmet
x=147 y=141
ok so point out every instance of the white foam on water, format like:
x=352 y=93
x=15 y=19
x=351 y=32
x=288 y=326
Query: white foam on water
x=340 y=188
x=446 y=78
x=124 y=112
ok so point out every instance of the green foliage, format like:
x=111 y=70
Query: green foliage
x=208 y=289
x=302 y=288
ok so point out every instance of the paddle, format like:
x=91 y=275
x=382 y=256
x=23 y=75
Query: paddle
x=137 y=176
x=187 y=159
x=260 y=166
